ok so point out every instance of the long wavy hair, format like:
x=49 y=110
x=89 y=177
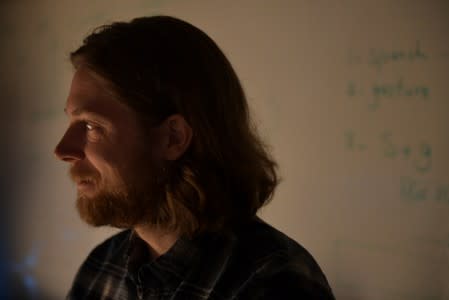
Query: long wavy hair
x=160 y=66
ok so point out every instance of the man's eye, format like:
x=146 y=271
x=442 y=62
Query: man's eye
x=94 y=131
x=90 y=127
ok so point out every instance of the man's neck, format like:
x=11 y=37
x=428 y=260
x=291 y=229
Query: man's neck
x=159 y=241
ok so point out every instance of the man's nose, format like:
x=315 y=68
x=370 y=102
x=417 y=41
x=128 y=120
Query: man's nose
x=71 y=147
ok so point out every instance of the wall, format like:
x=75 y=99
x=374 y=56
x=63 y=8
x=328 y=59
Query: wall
x=353 y=96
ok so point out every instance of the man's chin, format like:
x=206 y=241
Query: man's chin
x=101 y=209
x=91 y=209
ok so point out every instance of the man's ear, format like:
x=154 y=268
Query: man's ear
x=178 y=136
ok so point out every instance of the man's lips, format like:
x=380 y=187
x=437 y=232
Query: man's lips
x=85 y=181
x=84 y=184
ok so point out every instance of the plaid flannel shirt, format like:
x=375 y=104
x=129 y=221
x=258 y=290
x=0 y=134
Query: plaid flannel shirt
x=258 y=262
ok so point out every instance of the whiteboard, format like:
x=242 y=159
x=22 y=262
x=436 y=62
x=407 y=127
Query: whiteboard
x=352 y=96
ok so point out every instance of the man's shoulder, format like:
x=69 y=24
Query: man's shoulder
x=280 y=263
x=265 y=243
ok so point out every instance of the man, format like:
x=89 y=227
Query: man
x=160 y=143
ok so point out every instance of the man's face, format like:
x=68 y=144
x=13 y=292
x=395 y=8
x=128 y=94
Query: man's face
x=104 y=145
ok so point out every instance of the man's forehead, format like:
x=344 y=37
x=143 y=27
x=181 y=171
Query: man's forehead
x=86 y=81
x=90 y=93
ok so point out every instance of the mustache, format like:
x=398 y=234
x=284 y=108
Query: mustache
x=80 y=173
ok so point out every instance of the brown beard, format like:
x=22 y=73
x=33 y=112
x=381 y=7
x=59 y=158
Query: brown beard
x=135 y=202
x=116 y=209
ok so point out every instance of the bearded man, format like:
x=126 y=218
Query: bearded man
x=161 y=145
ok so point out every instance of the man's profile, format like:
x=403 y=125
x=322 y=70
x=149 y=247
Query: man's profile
x=160 y=144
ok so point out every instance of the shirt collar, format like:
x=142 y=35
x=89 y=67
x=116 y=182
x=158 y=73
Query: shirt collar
x=175 y=261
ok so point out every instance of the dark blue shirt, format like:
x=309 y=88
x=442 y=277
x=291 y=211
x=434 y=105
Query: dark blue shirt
x=257 y=262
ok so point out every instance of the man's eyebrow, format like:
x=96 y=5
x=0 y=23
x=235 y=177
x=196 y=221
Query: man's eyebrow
x=81 y=110
x=75 y=112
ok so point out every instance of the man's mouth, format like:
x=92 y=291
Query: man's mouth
x=85 y=181
x=84 y=184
